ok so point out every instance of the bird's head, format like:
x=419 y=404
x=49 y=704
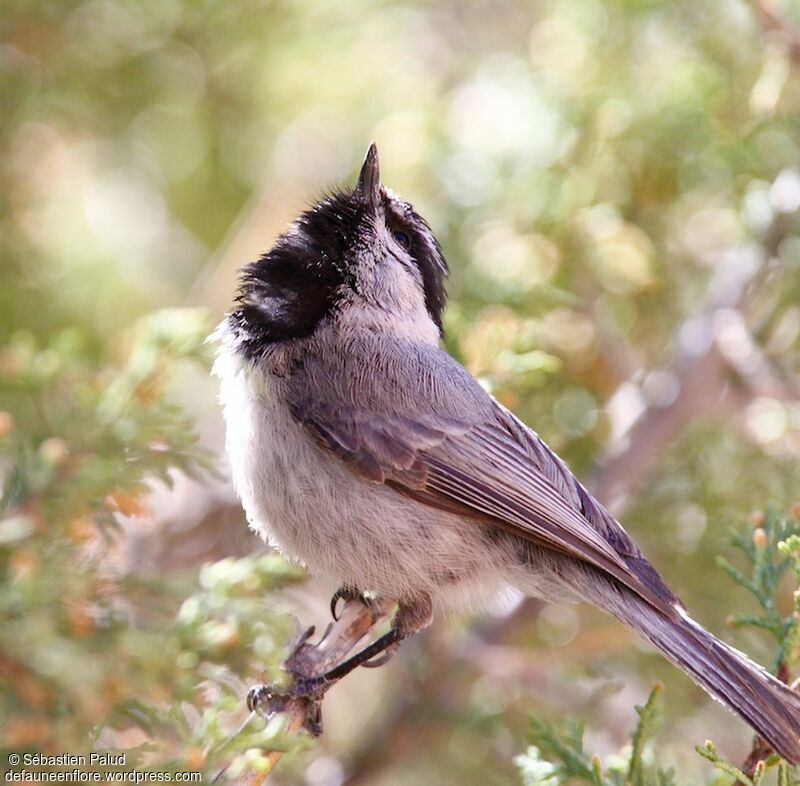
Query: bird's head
x=359 y=249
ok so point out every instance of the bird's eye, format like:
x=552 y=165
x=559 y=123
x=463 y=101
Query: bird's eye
x=402 y=238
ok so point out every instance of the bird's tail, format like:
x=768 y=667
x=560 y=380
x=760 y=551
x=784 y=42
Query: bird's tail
x=769 y=706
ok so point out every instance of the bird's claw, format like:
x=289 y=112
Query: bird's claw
x=346 y=593
x=258 y=695
x=380 y=660
x=306 y=692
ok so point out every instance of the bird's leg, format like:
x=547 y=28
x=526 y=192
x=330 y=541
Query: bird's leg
x=410 y=617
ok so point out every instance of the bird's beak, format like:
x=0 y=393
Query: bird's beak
x=369 y=181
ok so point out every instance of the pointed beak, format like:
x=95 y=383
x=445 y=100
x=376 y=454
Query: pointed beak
x=369 y=181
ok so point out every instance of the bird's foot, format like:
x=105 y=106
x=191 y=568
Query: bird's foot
x=304 y=696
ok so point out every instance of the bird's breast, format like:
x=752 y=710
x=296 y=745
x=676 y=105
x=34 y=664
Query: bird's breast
x=314 y=509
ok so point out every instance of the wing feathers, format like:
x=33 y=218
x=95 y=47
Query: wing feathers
x=422 y=425
x=507 y=503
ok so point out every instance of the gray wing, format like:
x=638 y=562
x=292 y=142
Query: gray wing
x=410 y=416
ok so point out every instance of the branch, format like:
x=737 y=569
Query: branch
x=773 y=20
x=308 y=659
x=699 y=372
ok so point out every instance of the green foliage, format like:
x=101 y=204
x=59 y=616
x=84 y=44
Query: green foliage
x=708 y=751
x=772 y=549
x=93 y=656
x=223 y=634
x=83 y=430
x=557 y=755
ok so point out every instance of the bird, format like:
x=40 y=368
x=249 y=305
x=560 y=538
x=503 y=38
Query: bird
x=361 y=448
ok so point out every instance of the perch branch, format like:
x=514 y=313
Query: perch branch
x=309 y=659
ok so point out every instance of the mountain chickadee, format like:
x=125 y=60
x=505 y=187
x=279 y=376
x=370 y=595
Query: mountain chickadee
x=371 y=455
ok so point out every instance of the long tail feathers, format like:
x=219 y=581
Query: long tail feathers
x=769 y=706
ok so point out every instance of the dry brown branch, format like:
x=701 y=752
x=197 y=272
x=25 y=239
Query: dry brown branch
x=311 y=659
x=772 y=19
x=701 y=389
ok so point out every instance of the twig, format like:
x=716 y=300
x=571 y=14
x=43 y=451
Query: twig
x=776 y=22
x=355 y=622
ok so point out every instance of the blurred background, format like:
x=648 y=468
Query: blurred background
x=616 y=187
